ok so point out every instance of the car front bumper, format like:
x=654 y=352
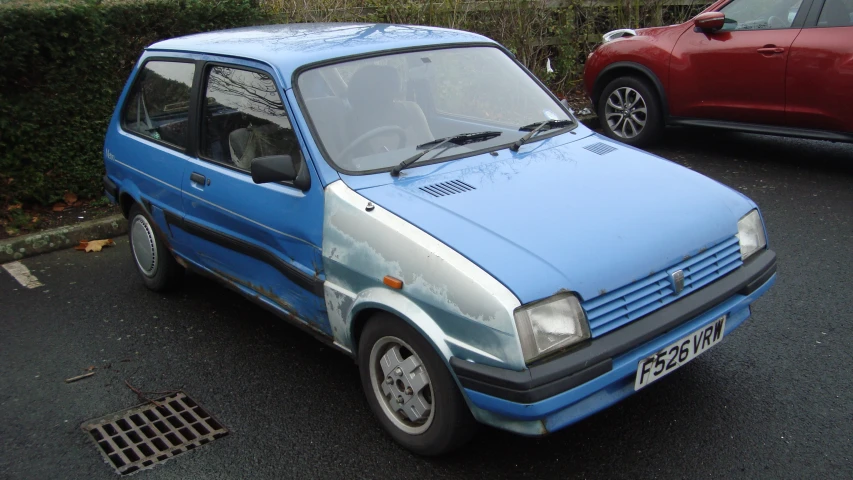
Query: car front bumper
x=599 y=373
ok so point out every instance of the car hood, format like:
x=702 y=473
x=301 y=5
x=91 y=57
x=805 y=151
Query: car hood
x=588 y=216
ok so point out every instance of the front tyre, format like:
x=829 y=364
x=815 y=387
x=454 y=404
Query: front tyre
x=410 y=390
x=629 y=111
x=153 y=260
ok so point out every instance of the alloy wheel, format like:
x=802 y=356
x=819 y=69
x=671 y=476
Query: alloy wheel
x=401 y=384
x=626 y=112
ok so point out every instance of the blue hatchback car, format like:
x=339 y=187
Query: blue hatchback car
x=416 y=198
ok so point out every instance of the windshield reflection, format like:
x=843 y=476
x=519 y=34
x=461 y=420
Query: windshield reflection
x=370 y=114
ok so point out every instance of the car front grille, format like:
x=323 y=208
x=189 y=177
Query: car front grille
x=614 y=309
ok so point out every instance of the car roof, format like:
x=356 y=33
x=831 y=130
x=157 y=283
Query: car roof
x=288 y=47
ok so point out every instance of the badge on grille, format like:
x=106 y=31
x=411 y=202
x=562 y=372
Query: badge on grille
x=677 y=279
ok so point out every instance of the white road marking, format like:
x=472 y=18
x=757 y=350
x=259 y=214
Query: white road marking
x=22 y=274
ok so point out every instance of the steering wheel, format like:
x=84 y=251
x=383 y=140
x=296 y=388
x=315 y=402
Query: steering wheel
x=401 y=136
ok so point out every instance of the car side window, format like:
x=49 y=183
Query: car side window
x=158 y=104
x=244 y=118
x=760 y=14
x=836 y=13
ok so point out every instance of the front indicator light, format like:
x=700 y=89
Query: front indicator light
x=392 y=282
x=549 y=325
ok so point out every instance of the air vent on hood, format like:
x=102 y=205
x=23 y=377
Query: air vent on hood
x=442 y=189
x=600 y=148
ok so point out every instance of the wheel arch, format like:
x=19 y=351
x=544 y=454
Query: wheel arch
x=128 y=195
x=379 y=300
x=622 y=69
x=125 y=201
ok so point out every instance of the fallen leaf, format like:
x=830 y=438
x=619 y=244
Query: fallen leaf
x=90 y=368
x=35 y=219
x=77 y=203
x=97 y=245
x=58 y=207
x=16 y=206
x=69 y=198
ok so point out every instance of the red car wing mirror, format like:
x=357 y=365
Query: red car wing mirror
x=710 y=21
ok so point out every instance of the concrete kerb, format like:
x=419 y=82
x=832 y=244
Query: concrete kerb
x=16 y=248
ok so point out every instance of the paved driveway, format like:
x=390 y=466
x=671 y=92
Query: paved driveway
x=774 y=400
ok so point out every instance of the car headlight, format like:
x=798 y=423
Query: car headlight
x=550 y=324
x=750 y=232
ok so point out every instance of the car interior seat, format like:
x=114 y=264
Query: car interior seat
x=246 y=144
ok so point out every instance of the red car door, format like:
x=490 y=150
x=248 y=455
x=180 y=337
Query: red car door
x=820 y=70
x=737 y=73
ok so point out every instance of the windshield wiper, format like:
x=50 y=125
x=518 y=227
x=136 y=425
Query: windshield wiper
x=461 y=139
x=538 y=127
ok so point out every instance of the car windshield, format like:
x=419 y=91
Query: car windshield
x=371 y=114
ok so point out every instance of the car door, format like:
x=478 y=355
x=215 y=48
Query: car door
x=737 y=73
x=153 y=143
x=820 y=71
x=263 y=238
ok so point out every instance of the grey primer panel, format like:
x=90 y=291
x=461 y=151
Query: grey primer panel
x=464 y=311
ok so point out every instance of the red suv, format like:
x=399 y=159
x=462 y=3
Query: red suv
x=780 y=67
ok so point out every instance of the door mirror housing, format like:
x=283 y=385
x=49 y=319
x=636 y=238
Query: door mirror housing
x=710 y=21
x=280 y=168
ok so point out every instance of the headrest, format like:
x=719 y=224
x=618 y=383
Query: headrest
x=373 y=85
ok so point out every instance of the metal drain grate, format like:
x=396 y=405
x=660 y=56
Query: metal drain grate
x=600 y=148
x=146 y=435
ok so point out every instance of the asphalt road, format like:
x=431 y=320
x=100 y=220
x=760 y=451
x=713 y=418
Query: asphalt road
x=774 y=400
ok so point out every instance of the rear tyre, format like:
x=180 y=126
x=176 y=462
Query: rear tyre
x=153 y=260
x=629 y=111
x=410 y=390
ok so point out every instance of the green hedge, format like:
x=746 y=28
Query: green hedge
x=63 y=64
x=62 y=68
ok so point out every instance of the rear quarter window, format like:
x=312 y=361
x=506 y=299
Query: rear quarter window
x=158 y=104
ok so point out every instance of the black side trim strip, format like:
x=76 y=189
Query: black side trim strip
x=291 y=319
x=597 y=351
x=312 y=284
x=764 y=129
x=110 y=187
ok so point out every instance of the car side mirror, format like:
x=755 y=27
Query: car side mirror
x=710 y=21
x=280 y=168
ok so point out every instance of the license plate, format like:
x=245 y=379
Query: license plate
x=672 y=357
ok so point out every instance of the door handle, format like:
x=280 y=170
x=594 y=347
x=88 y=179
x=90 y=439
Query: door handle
x=199 y=179
x=770 y=50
